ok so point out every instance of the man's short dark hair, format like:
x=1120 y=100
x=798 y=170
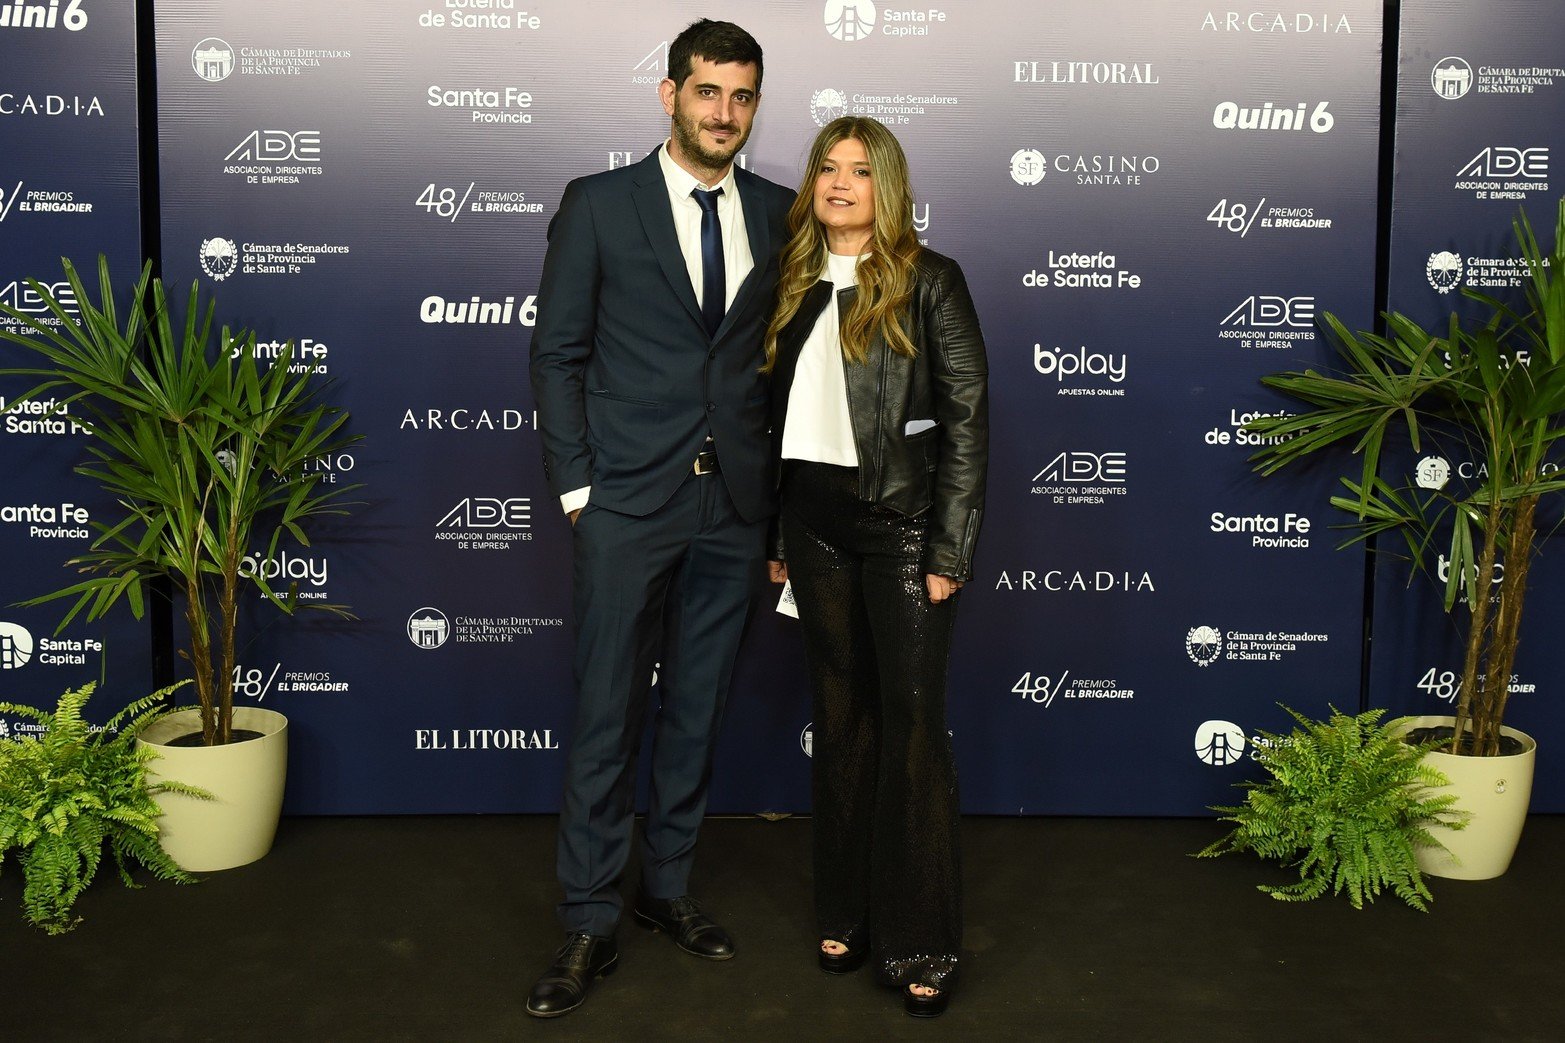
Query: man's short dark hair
x=718 y=42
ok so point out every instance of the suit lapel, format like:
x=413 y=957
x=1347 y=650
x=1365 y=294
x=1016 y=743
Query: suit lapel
x=657 y=220
x=758 y=231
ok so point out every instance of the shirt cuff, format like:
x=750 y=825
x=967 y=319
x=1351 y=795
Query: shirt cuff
x=576 y=499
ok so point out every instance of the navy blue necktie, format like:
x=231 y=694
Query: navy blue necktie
x=714 y=291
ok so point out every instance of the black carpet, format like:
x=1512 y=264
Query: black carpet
x=1077 y=929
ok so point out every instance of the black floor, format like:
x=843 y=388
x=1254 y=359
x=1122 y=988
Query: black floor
x=1077 y=929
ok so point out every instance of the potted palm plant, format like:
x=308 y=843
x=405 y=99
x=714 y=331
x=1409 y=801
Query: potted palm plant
x=1497 y=389
x=206 y=452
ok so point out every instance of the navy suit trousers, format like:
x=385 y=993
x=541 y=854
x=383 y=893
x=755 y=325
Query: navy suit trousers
x=675 y=587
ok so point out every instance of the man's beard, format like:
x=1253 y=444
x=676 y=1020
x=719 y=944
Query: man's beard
x=687 y=133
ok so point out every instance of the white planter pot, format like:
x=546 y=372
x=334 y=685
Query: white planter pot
x=1497 y=791
x=246 y=778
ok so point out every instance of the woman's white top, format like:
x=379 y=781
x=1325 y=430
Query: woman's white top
x=818 y=427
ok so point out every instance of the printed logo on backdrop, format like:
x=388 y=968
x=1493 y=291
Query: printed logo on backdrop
x=1274 y=116
x=1082 y=271
x=441 y=201
x=20 y=295
x=42 y=416
x=259 y=682
x=1075 y=581
x=1206 y=644
x=1041 y=690
x=1203 y=644
x=290 y=574
x=464 y=419
x=1082 y=372
x=479 y=310
x=1028 y=167
x=498 y=16
x=49 y=105
x=485 y=739
x=1505 y=172
x=1220 y=743
x=1081 y=477
x=431 y=628
x=330 y=468
x=48 y=521
x=215 y=60
x=483 y=105
x=1031 y=167
x=893 y=108
x=828 y=104
x=1445 y=685
x=23 y=200
x=309 y=355
x=485 y=523
x=1288 y=531
x=276 y=157
x=1453 y=78
x=807 y=739
x=1239 y=217
x=652 y=67
x=1270 y=322
x=850 y=20
x=625 y=157
x=221 y=257
x=1232 y=432
x=1447 y=270
x=1092 y=73
x=1277 y=23
x=18 y=648
x=212 y=59
x=1432 y=472
x=44 y=14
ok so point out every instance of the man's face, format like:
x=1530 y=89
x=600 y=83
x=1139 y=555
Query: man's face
x=712 y=113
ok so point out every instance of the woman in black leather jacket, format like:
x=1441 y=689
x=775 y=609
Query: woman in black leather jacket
x=880 y=419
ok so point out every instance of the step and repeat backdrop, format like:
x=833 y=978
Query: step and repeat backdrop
x=69 y=186
x=1480 y=119
x=1153 y=204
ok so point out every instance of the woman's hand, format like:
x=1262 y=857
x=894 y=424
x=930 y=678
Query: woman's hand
x=778 y=571
x=940 y=587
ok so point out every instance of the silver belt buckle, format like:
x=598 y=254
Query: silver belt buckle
x=706 y=462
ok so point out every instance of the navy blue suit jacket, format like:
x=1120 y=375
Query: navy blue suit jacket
x=626 y=380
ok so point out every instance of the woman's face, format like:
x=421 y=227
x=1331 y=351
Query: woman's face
x=845 y=197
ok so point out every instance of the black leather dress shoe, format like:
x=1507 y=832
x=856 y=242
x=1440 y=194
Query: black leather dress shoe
x=684 y=921
x=581 y=960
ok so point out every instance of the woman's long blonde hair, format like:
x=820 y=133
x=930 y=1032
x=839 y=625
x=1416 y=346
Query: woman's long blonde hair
x=885 y=277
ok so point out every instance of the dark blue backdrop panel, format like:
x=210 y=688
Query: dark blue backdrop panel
x=1480 y=121
x=1151 y=203
x=68 y=187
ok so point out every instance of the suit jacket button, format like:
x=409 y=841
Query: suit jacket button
x=711 y=407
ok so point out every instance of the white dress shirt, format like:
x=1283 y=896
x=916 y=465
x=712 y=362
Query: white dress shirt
x=737 y=259
x=818 y=426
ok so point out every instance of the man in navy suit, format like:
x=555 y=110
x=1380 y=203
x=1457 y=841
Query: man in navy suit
x=652 y=409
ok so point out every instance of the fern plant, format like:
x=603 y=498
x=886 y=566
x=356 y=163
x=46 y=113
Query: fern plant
x=1347 y=801
x=67 y=790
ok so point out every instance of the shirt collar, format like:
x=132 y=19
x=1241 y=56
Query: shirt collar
x=681 y=182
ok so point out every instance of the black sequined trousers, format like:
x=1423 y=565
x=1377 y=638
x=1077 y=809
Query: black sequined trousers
x=884 y=780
